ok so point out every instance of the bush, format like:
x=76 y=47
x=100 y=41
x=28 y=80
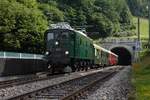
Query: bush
x=22 y=27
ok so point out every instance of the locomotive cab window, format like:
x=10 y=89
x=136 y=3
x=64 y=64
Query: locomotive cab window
x=50 y=36
x=72 y=35
x=64 y=35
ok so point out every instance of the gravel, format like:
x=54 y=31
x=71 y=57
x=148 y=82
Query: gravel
x=117 y=88
x=25 y=88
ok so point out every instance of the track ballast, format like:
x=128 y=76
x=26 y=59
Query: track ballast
x=68 y=90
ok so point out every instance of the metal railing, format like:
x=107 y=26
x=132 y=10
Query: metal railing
x=20 y=55
x=118 y=40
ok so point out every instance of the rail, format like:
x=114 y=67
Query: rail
x=78 y=93
x=88 y=83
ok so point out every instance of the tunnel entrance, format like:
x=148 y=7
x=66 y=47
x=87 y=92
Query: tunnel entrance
x=124 y=56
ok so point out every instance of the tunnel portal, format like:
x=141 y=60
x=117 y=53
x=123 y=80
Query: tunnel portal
x=124 y=56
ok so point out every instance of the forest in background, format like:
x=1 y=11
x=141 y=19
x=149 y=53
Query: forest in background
x=23 y=22
x=139 y=7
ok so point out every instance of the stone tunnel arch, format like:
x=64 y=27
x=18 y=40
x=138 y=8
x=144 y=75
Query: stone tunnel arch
x=124 y=55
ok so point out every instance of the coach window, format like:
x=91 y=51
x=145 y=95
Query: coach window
x=95 y=52
x=100 y=54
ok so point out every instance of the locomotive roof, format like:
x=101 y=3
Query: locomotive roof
x=74 y=31
x=83 y=34
x=66 y=26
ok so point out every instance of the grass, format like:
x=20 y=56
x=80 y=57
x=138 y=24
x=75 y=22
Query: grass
x=141 y=80
x=144 y=27
x=141 y=72
x=144 y=30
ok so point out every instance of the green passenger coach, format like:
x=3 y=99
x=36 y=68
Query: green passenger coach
x=101 y=56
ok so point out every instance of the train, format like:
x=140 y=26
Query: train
x=71 y=50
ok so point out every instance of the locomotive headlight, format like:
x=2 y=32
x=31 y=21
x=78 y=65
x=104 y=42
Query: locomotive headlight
x=56 y=43
x=66 y=52
x=47 y=53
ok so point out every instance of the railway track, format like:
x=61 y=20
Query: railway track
x=69 y=90
x=24 y=80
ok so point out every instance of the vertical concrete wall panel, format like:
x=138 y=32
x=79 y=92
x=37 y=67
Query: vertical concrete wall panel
x=11 y=66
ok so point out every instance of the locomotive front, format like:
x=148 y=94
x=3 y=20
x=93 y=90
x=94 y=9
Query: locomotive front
x=59 y=43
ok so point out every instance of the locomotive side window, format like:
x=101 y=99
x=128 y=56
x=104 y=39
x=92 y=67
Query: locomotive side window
x=50 y=36
x=80 y=41
x=72 y=35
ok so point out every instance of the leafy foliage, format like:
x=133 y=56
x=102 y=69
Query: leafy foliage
x=23 y=22
x=21 y=27
x=139 y=7
x=102 y=24
x=116 y=13
x=53 y=14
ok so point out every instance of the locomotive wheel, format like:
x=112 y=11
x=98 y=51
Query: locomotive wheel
x=53 y=70
x=83 y=68
x=73 y=68
x=78 y=69
x=50 y=68
x=86 y=69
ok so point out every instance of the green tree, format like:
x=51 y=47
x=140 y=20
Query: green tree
x=21 y=28
x=28 y=3
x=23 y=22
x=109 y=11
x=138 y=7
x=101 y=24
x=125 y=19
x=53 y=13
x=70 y=15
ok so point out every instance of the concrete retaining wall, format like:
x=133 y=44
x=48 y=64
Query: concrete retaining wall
x=13 y=66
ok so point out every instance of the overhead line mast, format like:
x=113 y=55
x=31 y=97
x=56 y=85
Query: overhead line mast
x=149 y=21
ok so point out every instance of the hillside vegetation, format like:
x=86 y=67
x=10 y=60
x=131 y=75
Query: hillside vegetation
x=141 y=80
x=139 y=7
x=23 y=22
x=144 y=27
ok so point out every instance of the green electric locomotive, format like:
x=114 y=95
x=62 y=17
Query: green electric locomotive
x=70 y=50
